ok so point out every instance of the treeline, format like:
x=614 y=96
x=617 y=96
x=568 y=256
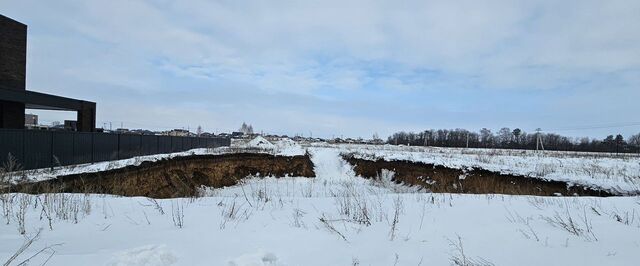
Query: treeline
x=515 y=139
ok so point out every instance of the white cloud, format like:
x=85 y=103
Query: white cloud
x=319 y=51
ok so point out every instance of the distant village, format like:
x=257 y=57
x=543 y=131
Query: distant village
x=245 y=132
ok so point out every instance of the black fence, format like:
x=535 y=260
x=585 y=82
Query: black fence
x=35 y=149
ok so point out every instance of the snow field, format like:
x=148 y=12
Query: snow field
x=333 y=219
x=606 y=171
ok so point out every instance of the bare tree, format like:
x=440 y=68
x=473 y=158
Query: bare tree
x=516 y=135
x=486 y=137
x=504 y=136
x=634 y=141
x=246 y=128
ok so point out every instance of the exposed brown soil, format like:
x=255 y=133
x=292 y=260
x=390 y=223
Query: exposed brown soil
x=441 y=179
x=177 y=177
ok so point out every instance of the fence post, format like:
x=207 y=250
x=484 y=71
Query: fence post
x=73 y=147
x=92 y=145
x=51 y=150
x=118 y=148
x=24 y=153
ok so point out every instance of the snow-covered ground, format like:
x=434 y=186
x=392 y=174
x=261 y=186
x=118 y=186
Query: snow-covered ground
x=606 y=171
x=333 y=219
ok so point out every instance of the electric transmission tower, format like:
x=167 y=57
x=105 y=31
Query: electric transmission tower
x=539 y=145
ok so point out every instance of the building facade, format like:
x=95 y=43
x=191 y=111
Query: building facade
x=14 y=96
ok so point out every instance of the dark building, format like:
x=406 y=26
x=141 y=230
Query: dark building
x=70 y=125
x=14 y=97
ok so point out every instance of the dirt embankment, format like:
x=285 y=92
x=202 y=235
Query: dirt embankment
x=441 y=179
x=177 y=177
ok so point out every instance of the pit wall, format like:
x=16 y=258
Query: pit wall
x=441 y=179
x=177 y=177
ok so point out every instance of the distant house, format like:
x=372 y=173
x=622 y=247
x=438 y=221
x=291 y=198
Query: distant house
x=71 y=125
x=207 y=135
x=273 y=137
x=178 y=133
x=30 y=120
x=122 y=130
x=237 y=134
x=141 y=132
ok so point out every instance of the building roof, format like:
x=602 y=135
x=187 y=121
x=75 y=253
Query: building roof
x=38 y=100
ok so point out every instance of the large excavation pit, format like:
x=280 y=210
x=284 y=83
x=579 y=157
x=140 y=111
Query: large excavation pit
x=441 y=179
x=176 y=177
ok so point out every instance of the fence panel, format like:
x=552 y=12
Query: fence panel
x=37 y=147
x=62 y=148
x=185 y=143
x=192 y=143
x=149 y=145
x=11 y=142
x=82 y=147
x=202 y=142
x=105 y=147
x=198 y=143
x=219 y=142
x=129 y=146
x=34 y=149
x=211 y=143
x=176 y=144
x=164 y=144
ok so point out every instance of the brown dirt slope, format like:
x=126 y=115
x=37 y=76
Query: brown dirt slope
x=441 y=179
x=177 y=177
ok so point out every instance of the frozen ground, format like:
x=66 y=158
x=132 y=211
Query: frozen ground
x=620 y=174
x=333 y=219
x=606 y=171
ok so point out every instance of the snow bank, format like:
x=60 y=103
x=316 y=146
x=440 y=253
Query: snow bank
x=260 y=142
x=289 y=147
x=284 y=147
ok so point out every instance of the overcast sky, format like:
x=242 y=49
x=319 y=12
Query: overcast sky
x=341 y=67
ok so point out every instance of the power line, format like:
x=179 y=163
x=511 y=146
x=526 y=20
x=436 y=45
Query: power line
x=600 y=126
